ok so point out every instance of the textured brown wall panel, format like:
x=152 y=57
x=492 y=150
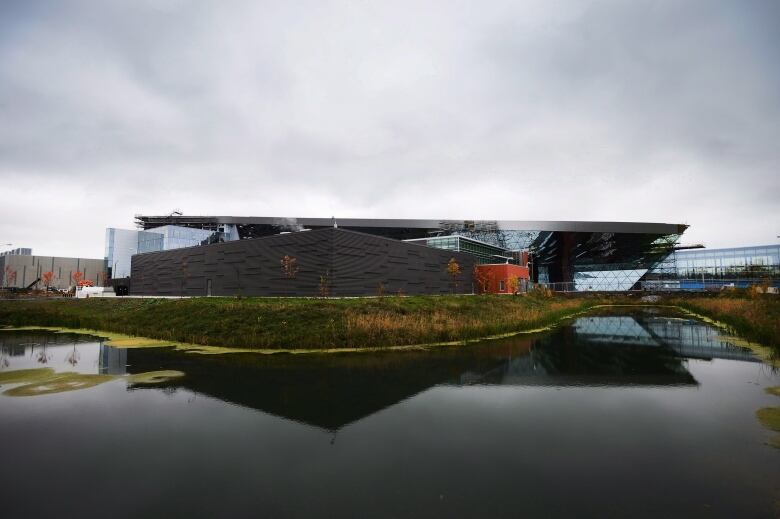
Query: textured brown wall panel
x=355 y=264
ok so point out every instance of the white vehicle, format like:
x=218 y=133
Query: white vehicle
x=85 y=292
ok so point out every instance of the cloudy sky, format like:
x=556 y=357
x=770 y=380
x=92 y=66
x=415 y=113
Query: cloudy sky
x=616 y=110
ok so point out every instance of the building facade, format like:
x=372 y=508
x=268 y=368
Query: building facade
x=22 y=271
x=504 y=278
x=21 y=251
x=122 y=244
x=564 y=254
x=696 y=269
x=485 y=253
x=325 y=262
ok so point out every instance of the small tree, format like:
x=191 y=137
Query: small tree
x=76 y=277
x=481 y=279
x=289 y=266
x=104 y=278
x=324 y=287
x=512 y=284
x=453 y=269
x=10 y=276
x=47 y=278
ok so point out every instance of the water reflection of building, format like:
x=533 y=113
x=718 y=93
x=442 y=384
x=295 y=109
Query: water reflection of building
x=60 y=351
x=334 y=391
x=112 y=361
x=687 y=338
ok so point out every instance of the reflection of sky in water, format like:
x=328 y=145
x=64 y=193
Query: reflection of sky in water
x=61 y=352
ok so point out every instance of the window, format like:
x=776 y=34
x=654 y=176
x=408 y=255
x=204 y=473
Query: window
x=501 y=285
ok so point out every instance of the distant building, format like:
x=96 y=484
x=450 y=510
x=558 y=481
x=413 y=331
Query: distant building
x=22 y=271
x=122 y=244
x=17 y=252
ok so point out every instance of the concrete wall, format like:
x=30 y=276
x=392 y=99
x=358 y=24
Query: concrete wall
x=349 y=263
x=29 y=268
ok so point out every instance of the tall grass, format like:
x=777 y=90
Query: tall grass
x=447 y=324
x=289 y=323
x=300 y=323
x=755 y=316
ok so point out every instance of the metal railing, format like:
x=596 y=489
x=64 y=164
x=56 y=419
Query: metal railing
x=667 y=285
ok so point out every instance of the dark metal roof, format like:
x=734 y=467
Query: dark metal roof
x=529 y=225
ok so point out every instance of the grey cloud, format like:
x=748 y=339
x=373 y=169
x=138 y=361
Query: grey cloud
x=609 y=110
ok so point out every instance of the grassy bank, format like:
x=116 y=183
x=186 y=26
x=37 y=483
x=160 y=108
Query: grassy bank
x=755 y=317
x=301 y=323
x=320 y=324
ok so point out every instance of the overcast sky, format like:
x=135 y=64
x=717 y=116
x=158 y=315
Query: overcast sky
x=626 y=110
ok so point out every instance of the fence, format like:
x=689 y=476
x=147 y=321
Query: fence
x=667 y=285
x=707 y=284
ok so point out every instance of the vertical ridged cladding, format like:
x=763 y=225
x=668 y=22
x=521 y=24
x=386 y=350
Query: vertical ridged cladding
x=353 y=263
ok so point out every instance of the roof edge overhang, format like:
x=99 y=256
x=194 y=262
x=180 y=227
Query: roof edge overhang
x=526 y=225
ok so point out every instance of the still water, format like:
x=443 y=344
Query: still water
x=633 y=415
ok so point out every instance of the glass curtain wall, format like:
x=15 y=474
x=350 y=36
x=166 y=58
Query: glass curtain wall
x=121 y=244
x=485 y=252
x=712 y=268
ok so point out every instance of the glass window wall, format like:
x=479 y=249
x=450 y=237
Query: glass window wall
x=739 y=263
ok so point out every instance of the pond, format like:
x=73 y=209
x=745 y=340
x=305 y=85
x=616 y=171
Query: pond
x=637 y=414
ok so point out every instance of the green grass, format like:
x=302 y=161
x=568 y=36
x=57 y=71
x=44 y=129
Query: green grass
x=292 y=323
x=754 y=317
x=298 y=324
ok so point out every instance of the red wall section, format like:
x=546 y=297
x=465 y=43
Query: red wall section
x=489 y=277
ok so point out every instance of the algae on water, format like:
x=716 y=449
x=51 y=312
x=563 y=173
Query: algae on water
x=58 y=383
x=25 y=376
x=769 y=417
x=45 y=381
x=154 y=377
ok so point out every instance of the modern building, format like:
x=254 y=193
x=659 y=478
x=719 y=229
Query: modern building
x=695 y=269
x=502 y=278
x=565 y=254
x=323 y=262
x=23 y=271
x=484 y=252
x=122 y=244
